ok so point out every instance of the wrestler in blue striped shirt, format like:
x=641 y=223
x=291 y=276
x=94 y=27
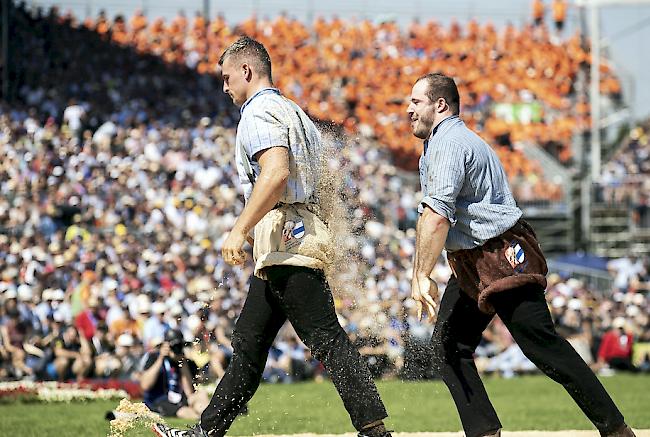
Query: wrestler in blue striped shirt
x=497 y=263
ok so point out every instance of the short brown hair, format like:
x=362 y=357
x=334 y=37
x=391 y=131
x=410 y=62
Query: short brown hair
x=252 y=51
x=441 y=86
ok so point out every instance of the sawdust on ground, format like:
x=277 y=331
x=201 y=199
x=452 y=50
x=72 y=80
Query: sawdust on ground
x=568 y=433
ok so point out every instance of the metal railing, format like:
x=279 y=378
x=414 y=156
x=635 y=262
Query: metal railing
x=599 y=281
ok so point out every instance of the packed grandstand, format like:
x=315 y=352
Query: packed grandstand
x=117 y=186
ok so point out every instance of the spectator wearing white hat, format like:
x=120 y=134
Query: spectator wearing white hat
x=27 y=307
x=127 y=353
x=44 y=308
x=62 y=308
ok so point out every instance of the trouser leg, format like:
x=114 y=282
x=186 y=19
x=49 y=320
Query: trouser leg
x=525 y=313
x=307 y=301
x=258 y=324
x=458 y=331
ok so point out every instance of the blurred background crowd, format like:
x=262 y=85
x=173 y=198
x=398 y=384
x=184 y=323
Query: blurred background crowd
x=626 y=177
x=117 y=187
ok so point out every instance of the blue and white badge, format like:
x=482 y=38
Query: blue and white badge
x=299 y=230
x=515 y=254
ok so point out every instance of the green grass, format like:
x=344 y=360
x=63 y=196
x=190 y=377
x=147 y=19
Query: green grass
x=523 y=403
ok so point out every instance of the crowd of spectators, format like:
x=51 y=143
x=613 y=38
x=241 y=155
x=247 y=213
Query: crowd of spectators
x=60 y=65
x=625 y=179
x=610 y=329
x=117 y=187
x=356 y=74
x=119 y=237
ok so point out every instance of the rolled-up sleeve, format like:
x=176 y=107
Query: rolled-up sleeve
x=264 y=129
x=445 y=176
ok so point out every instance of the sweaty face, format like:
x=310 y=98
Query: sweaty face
x=421 y=111
x=234 y=80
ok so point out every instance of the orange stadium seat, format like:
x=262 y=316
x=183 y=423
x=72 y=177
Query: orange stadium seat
x=359 y=73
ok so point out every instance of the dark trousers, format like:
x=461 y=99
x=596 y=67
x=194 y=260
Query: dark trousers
x=525 y=313
x=303 y=297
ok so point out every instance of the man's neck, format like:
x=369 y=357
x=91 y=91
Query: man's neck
x=258 y=87
x=435 y=126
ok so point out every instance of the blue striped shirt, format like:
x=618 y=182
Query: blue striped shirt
x=268 y=119
x=463 y=180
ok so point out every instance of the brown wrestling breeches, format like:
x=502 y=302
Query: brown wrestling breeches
x=508 y=261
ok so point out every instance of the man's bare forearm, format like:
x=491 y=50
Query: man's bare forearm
x=149 y=376
x=432 y=230
x=267 y=192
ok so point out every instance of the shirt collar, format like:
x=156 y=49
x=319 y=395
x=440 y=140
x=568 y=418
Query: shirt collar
x=268 y=90
x=435 y=129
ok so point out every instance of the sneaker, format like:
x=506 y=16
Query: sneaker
x=165 y=431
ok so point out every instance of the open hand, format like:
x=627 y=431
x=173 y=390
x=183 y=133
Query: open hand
x=424 y=292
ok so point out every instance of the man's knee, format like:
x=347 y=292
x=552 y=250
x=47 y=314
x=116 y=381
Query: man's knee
x=249 y=349
x=440 y=351
x=447 y=349
x=322 y=341
x=536 y=340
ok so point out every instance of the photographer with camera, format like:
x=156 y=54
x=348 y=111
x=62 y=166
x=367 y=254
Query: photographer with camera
x=167 y=380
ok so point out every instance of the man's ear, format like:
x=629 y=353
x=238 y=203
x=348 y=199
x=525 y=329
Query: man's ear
x=441 y=105
x=247 y=72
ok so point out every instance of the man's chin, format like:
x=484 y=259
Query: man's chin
x=234 y=100
x=420 y=135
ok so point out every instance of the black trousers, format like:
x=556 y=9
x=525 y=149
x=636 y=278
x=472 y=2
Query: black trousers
x=302 y=296
x=525 y=313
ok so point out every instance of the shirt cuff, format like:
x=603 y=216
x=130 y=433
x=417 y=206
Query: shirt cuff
x=439 y=207
x=265 y=146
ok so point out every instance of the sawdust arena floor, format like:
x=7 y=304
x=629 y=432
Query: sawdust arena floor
x=568 y=433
